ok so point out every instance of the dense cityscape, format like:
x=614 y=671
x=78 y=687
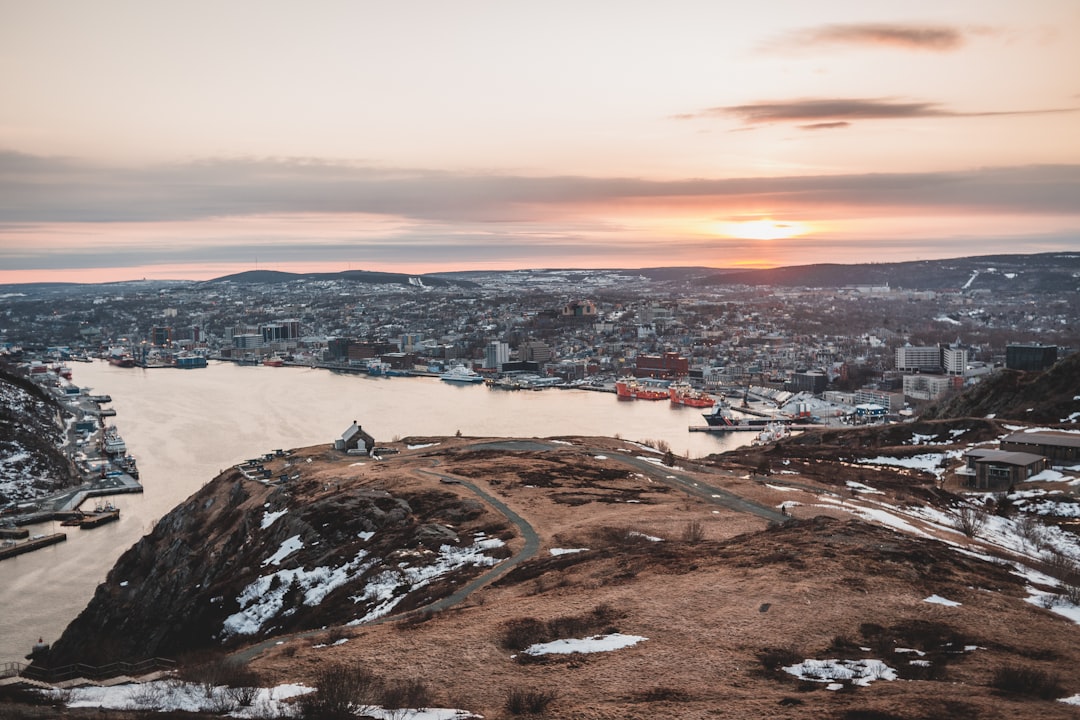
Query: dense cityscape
x=898 y=346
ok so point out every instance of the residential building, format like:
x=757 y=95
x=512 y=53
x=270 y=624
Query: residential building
x=1000 y=469
x=1059 y=447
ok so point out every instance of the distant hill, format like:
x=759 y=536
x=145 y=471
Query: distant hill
x=1046 y=272
x=1048 y=397
x=253 y=277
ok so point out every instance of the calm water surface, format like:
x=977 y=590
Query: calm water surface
x=184 y=426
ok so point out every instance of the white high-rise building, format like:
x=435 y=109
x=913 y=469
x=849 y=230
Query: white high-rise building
x=495 y=354
x=954 y=360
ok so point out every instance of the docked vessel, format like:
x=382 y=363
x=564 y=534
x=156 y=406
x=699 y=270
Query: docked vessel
x=720 y=418
x=104 y=514
x=113 y=444
x=274 y=361
x=683 y=394
x=461 y=374
x=632 y=389
x=771 y=433
x=122 y=361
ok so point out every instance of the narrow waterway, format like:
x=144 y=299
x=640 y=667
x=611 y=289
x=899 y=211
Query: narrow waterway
x=185 y=426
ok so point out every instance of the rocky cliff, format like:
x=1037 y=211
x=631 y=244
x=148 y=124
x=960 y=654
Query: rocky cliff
x=245 y=558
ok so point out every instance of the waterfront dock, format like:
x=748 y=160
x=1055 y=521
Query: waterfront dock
x=7 y=551
x=726 y=428
x=98 y=518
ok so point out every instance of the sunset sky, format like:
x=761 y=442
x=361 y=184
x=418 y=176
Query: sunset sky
x=194 y=139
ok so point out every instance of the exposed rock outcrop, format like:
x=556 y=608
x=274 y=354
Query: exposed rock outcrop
x=241 y=560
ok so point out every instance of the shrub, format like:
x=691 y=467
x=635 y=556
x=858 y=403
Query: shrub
x=341 y=690
x=772 y=659
x=406 y=694
x=531 y=701
x=663 y=693
x=694 y=532
x=520 y=633
x=1027 y=681
x=970 y=520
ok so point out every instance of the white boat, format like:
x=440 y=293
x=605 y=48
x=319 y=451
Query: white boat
x=461 y=374
x=771 y=433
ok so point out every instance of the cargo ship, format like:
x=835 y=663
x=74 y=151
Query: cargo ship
x=683 y=394
x=632 y=389
x=125 y=361
x=720 y=418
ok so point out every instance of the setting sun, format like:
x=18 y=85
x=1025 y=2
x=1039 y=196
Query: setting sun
x=763 y=229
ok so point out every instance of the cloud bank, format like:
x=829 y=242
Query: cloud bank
x=62 y=213
x=57 y=190
x=937 y=38
x=838 y=112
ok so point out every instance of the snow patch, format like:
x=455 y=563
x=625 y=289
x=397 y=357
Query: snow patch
x=269 y=518
x=567 y=551
x=288 y=547
x=938 y=600
x=594 y=644
x=858 y=672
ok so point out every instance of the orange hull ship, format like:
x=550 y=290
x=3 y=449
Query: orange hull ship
x=683 y=394
x=631 y=388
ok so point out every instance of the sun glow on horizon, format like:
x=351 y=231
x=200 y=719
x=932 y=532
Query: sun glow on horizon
x=763 y=229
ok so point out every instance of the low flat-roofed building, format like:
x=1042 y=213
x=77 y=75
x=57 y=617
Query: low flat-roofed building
x=1060 y=447
x=1001 y=469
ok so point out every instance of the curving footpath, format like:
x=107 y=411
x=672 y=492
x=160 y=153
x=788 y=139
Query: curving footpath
x=669 y=476
x=527 y=552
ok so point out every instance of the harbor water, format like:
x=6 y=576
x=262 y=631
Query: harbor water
x=185 y=426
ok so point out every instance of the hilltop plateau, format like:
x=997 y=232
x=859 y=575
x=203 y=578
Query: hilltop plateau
x=827 y=576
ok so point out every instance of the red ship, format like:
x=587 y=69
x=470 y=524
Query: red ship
x=631 y=388
x=683 y=394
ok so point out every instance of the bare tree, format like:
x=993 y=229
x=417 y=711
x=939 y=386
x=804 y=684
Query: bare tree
x=970 y=519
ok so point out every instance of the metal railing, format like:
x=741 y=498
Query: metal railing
x=90 y=672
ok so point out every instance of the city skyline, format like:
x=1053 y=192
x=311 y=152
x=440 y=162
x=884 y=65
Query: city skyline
x=195 y=140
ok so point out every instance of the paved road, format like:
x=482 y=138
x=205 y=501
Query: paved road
x=705 y=491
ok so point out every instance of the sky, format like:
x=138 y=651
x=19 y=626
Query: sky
x=194 y=139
